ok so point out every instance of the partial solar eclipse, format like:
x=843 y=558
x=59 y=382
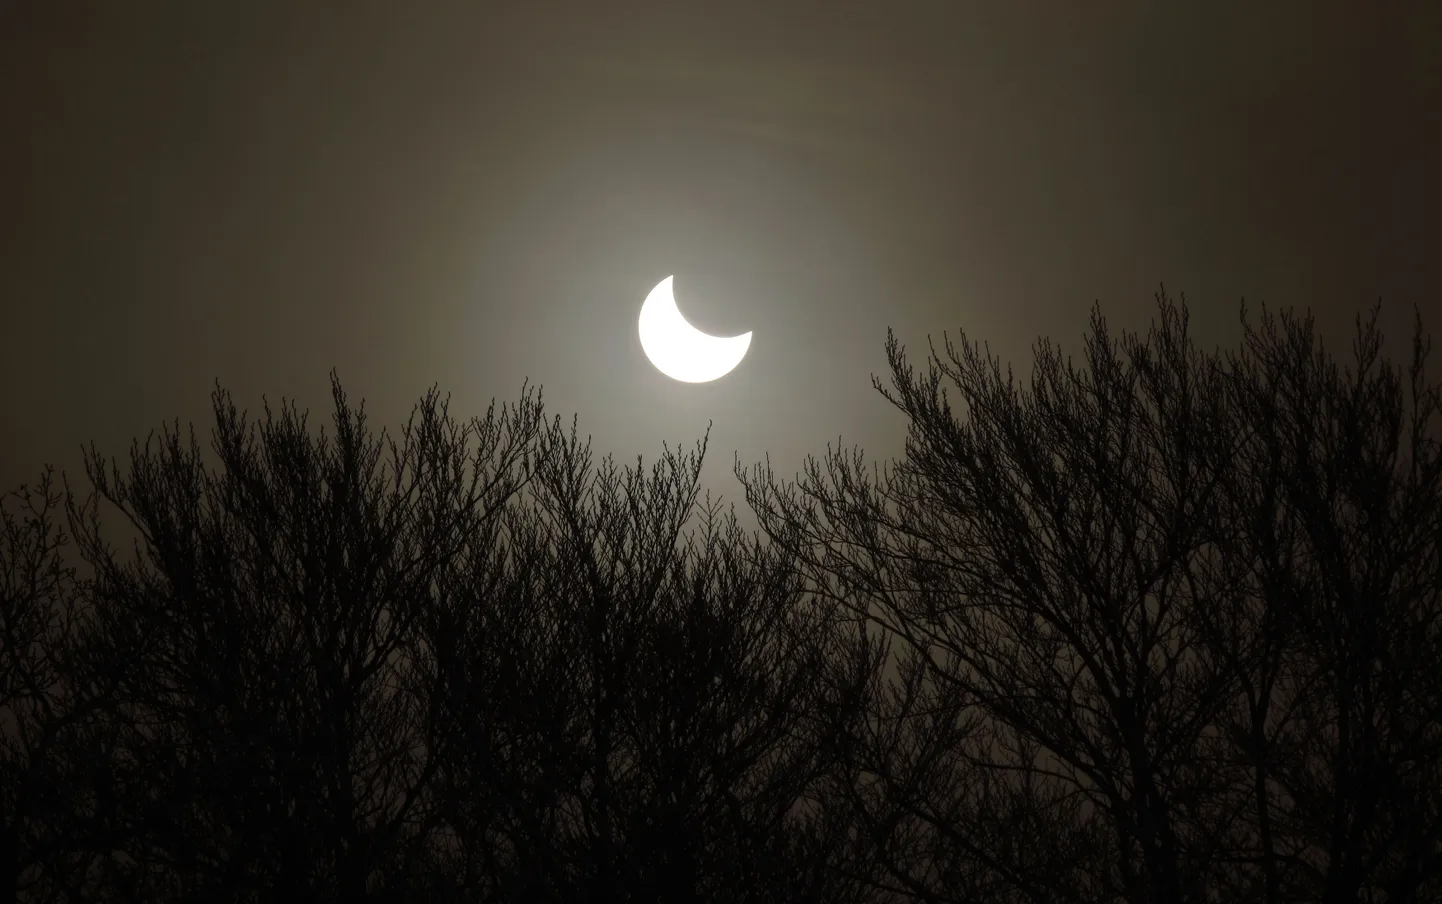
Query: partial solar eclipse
x=678 y=349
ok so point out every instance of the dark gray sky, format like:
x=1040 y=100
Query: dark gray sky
x=475 y=194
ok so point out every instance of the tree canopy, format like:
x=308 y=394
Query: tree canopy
x=1161 y=624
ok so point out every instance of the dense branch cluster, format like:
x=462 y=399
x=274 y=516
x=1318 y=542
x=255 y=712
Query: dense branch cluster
x=1161 y=625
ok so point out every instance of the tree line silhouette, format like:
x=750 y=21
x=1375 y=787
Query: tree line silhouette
x=1162 y=625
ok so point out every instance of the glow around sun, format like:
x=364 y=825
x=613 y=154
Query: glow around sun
x=678 y=349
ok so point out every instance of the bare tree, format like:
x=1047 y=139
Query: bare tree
x=1162 y=625
x=467 y=664
x=44 y=709
x=1336 y=517
x=650 y=721
x=1112 y=684
x=267 y=736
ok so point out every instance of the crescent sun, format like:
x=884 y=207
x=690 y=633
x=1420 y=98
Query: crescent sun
x=678 y=349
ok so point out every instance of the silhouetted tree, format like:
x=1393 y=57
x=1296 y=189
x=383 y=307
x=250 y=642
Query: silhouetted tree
x=1168 y=622
x=467 y=664
x=48 y=748
x=1335 y=515
x=268 y=735
x=639 y=698
x=1163 y=625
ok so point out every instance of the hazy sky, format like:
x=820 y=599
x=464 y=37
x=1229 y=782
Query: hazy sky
x=476 y=194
